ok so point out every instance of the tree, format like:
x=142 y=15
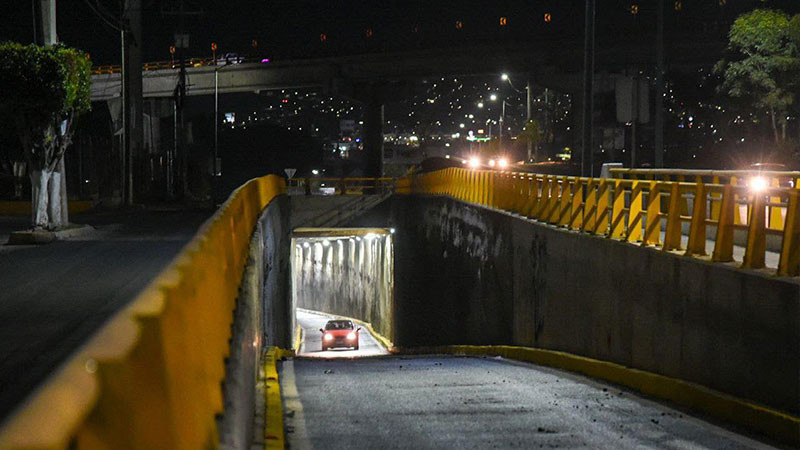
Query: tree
x=763 y=65
x=42 y=91
x=532 y=132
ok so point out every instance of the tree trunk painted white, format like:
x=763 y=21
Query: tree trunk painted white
x=46 y=199
x=40 y=179
x=62 y=168
x=54 y=201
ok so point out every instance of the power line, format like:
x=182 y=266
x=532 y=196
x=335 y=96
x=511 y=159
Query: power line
x=99 y=14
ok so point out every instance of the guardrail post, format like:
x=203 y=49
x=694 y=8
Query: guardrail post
x=789 y=265
x=716 y=198
x=544 y=199
x=652 y=231
x=490 y=189
x=590 y=207
x=601 y=220
x=672 y=236
x=307 y=186
x=697 y=229
x=566 y=200
x=520 y=197
x=576 y=208
x=776 y=213
x=529 y=210
x=553 y=201
x=342 y=187
x=634 y=233
x=756 y=234
x=723 y=244
x=618 y=211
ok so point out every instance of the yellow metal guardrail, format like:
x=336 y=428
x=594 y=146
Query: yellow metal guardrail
x=342 y=186
x=632 y=210
x=151 y=377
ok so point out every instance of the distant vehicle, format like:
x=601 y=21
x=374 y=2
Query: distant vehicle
x=761 y=182
x=230 y=58
x=339 y=334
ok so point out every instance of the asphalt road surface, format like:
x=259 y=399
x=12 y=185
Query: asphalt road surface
x=53 y=297
x=423 y=402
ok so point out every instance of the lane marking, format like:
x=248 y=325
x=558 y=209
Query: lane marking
x=297 y=434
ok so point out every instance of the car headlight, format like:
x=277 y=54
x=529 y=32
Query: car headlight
x=351 y=336
x=759 y=183
x=328 y=336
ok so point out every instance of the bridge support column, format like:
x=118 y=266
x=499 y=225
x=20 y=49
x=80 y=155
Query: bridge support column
x=373 y=136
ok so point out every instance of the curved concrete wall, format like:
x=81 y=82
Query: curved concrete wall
x=470 y=275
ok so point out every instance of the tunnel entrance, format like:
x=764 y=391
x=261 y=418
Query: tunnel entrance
x=343 y=274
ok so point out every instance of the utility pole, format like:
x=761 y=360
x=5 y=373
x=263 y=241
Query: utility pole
x=528 y=117
x=658 y=157
x=181 y=43
x=588 y=92
x=133 y=124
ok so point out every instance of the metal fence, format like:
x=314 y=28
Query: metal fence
x=652 y=212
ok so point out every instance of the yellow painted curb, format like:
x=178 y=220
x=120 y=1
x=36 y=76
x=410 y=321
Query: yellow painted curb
x=298 y=339
x=775 y=424
x=274 y=437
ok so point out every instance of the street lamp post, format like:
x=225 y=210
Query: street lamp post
x=505 y=77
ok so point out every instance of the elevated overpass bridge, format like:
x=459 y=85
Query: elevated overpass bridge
x=555 y=64
x=647 y=309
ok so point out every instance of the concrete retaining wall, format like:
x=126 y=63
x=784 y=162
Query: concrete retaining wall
x=262 y=318
x=351 y=277
x=469 y=275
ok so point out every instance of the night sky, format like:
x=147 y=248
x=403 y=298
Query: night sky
x=292 y=29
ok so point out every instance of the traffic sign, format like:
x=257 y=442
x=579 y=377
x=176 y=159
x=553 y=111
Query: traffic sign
x=290 y=172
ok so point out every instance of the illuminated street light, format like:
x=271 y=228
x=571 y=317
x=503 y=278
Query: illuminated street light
x=480 y=104
x=461 y=125
x=474 y=162
x=504 y=76
x=493 y=97
x=502 y=163
x=315 y=172
x=491 y=163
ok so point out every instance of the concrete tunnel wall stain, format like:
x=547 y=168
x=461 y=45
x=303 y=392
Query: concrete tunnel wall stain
x=350 y=276
x=470 y=275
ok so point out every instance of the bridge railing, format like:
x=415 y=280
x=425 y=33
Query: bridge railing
x=650 y=212
x=151 y=377
x=341 y=186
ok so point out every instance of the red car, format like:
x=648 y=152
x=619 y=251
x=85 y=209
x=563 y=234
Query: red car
x=340 y=334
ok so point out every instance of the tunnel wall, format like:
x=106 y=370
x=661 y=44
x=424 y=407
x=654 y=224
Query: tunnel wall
x=262 y=318
x=349 y=277
x=470 y=275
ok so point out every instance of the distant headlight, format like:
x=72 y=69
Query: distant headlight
x=351 y=336
x=758 y=184
x=328 y=336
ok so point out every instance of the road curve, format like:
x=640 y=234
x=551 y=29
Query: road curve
x=466 y=402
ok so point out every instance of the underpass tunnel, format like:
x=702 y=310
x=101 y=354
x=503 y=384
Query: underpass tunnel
x=343 y=273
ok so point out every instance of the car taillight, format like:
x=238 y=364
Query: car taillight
x=328 y=336
x=351 y=336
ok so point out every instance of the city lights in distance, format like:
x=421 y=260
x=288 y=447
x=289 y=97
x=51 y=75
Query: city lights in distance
x=493 y=97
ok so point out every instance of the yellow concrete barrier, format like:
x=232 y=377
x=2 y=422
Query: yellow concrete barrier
x=775 y=424
x=150 y=378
